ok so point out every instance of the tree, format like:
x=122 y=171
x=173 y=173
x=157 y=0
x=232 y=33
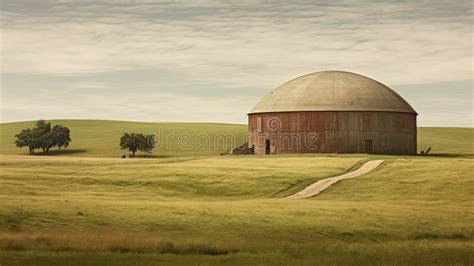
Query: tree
x=44 y=137
x=61 y=136
x=137 y=141
x=149 y=144
x=130 y=142
x=25 y=139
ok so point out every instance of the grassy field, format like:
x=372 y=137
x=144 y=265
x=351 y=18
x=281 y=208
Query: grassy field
x=228 y=210
x=446 y=140
x=416 y=211
x=101 y=138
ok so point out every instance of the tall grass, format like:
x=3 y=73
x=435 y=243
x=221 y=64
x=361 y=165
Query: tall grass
x=233 y=207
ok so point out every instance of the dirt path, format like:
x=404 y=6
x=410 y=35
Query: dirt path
x=319 y=186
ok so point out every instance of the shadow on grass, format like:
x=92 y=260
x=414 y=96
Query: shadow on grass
x=427 y=235
x=169 y=248
x=61 y=152
x=152 y=156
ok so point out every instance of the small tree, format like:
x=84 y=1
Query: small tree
x=137 y=142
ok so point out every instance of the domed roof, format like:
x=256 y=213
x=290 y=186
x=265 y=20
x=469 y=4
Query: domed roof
x=332 y=91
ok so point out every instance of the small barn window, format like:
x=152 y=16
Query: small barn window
x=368 y=145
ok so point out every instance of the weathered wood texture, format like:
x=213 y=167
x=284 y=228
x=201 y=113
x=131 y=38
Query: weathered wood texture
x=333 y=132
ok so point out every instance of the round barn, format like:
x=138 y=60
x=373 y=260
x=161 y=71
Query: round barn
x=332 y=112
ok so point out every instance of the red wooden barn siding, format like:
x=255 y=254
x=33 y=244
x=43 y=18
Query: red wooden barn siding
x=333 y=131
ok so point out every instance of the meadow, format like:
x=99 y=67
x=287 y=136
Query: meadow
x=211 y=209
x=101 y=138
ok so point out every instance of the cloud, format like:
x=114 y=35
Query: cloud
x=259 y=44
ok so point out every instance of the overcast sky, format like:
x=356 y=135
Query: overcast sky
x=210 y=61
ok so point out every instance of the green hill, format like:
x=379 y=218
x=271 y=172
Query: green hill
x=448 y=140
x=100 y=138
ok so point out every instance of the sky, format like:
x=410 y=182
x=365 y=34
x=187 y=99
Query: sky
x=211 y=61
